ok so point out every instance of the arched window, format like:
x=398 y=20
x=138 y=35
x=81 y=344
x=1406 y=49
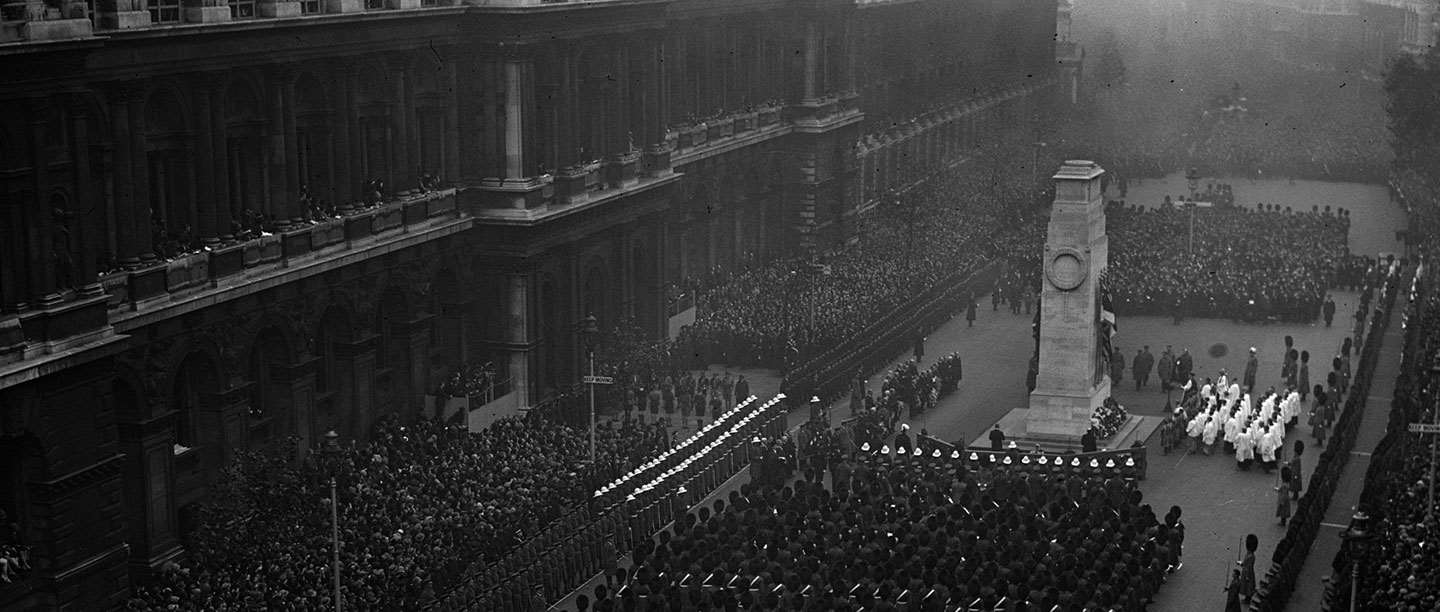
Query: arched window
x=196 y=377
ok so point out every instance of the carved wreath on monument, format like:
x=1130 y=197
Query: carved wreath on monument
x=1067 y=269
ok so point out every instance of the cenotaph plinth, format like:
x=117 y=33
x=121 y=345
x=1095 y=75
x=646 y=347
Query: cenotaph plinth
x=1071 y=382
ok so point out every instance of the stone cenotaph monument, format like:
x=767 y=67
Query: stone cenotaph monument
x=1073 y=379
x=1071 y=383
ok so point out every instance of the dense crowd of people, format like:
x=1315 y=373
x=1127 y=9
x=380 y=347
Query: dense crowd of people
x=1243 y=264
x=417 y=505
x=921 y=531
x=471 y=380
x=910 y=390
x=1398 y=571
x=14 y=554
x=779 y=314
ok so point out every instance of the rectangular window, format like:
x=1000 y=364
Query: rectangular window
x=163 y=11
x=429 y=2
x=309 y=7
x=371 y=5
x=242 y=9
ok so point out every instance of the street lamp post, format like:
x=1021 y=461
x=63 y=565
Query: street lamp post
x=1359 y=536
x=590 y=328
x=332 y=460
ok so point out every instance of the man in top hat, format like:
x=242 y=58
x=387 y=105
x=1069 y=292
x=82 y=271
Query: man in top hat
x=1165 y=369
x=997 y=438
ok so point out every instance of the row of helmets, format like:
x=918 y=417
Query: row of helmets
x=1006 y=458
x=707 y=430
x=694 y=443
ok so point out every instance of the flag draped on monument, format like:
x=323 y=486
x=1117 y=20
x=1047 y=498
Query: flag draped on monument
x=1105 y=329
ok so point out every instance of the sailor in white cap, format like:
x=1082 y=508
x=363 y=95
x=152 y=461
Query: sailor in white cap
x=902 y=439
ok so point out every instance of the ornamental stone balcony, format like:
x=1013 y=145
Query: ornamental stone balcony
x=262 y=261
x=621 y=169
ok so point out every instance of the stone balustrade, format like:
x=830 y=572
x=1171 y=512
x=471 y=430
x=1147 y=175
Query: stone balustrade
x=36 y=21
x=293 y=243
x=693 y=140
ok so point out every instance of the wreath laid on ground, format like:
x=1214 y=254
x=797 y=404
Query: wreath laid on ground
x=1108 y=418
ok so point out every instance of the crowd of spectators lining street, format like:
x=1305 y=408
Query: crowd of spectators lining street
x=1250 y=264
x=778 y=314
x=1398 y=572
x=1243 y=264
x=417 y=505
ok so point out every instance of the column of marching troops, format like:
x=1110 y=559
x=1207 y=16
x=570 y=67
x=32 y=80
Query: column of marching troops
x=589 y=540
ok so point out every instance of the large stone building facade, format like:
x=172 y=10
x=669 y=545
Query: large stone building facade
x=584 y=155
x=1329 y=35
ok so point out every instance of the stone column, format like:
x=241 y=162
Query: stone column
x=451 y=133
x=852 y=52
x=518 y=335
x=124 y=172
x=206 y=225
x=140 y=175
x=83 y=244
x=291 y=150
x=471 y=94
x=812 y=59
x=403 y=173
x=654 y=121
x=219 y=209
x=519 y=104
x=617 y=120
x=355 y=139
x=277 y=162
x=40 y=226
x=344 y=158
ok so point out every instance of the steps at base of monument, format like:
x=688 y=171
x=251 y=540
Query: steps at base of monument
x=1136 y=427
